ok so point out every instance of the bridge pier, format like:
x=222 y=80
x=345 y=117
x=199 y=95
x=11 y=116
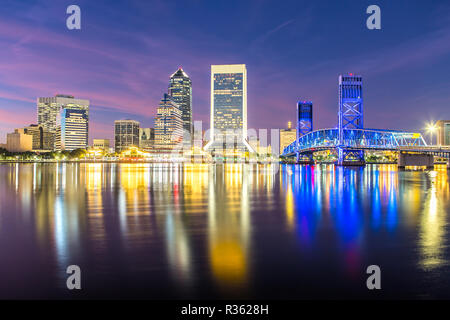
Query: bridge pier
x=350 y=158
x=415 y=160
x=305 y=158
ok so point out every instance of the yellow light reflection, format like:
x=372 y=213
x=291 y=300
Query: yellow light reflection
x=432 y=226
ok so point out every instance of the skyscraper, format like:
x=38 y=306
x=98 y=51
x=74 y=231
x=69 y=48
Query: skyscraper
x=180 y=90
x=228 y=107
x=72 y=129
x=126 y=134
x=49 y=111
x=168 y=125
x=304 y=118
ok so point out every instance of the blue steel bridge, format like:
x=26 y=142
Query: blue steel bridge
x=353 y=139
x=350 y=139
x=356 y=141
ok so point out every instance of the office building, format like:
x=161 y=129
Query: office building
x=126 y=134
x=146 y=138
x=19 y=142
x=49 y=108
x=49 y=111
x=304 y=118
x=72 y=129
x=443 y=132
x=168 y=125
x=101 y=144
x=287 y=136
x=43 y=140
x=228 y=108
x=180 y=90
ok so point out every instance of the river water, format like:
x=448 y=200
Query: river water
x=228 y=231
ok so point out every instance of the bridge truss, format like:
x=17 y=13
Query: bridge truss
x=353 y=141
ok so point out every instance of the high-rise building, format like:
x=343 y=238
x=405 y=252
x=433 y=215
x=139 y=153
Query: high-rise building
x=443 y=133
x=102 y=144
x=146 y=138
x=49 y=108
x=228 y=108
x=19 y=142
x=168 y=125
x=304 y=118
x=180 y=89
x=126 y=134
x=72 y=130
x=42 y=138
x=287 y=136
x=49 y=111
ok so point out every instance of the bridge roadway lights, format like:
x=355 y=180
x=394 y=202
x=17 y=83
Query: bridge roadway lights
x=415 y=160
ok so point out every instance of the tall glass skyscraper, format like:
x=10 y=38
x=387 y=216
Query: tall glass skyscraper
x=49 y=111
x=180 y=90
x=304 y=117
x=168 y=125
x=72 y=130
x=228 y=107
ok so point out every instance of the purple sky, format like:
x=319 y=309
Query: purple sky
x=122 y=58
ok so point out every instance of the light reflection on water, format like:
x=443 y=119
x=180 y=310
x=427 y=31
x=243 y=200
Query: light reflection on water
x=235 y=230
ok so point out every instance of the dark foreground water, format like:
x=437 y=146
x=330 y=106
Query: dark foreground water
x=223 y=231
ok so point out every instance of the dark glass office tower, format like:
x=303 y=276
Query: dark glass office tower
x=304 y=118
x=180 y=90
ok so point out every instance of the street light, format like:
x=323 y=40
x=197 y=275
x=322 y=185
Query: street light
x=431 y=128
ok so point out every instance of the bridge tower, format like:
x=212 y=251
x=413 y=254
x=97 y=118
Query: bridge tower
x=304 y=120
x=350 y=116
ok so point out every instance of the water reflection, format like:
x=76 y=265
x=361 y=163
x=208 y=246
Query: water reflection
x=196 y=225
x=433 y=222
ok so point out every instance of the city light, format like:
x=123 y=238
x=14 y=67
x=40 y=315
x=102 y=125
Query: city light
x=431 y=128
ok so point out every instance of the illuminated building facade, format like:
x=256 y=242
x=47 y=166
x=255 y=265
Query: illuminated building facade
x=19 y=142
x=168 y=125
x=228 y=108
x=72 y=130
x=49 y=110
x=146 y=138
x=304 y=117
x=102 y=144
x=42 y=138
x=126 y=134
x=287 y=136
x=180 y=90
x=443 y=132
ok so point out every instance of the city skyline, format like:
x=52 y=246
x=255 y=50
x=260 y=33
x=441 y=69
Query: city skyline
x=124 y=75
